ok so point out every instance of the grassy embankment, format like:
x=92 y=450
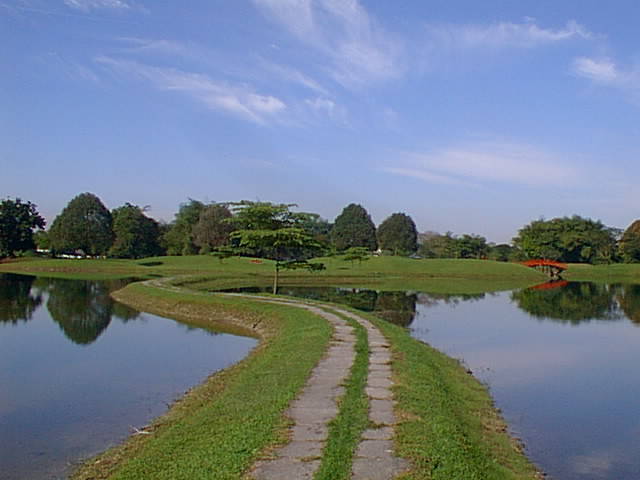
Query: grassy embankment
x=220 y=427
x=448 y=426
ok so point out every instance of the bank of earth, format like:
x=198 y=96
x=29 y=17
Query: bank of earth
x=447 y=425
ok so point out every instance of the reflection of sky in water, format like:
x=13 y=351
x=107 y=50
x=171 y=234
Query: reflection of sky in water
x=60 y=400
x=569 y=391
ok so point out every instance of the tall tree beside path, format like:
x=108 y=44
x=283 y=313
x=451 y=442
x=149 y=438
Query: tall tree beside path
x=354 y=228
x=136 y=235
x=272 y=231
x=398 y=234
x=18 y=220
x=84 y=224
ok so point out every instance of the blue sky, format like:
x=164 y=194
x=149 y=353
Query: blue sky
x=472 y=117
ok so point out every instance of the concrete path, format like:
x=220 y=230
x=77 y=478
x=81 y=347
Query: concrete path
x=314 y=408
x=317 y=406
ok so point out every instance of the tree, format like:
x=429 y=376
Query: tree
x=630 y=243
x=42 y=240
x=17 y=222
x=502 y=252
x=136 y=235
x=273 y=232
x=450 y=246
x=435 y=245
x=178 y=240
x=568 y=239
x=470 y=246
x=316 y=226
x=354 y=228
x=213 y=228
x=84 y=224
x=398 y=234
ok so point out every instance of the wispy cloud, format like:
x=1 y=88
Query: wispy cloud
x=600 y=70
x=294 y=75
x=604 y=71
x=161 y=46
x=504 y=35
x=239 y=100
x=360 y=51
x=488 y=162
x=88 y=5
x=327 y=107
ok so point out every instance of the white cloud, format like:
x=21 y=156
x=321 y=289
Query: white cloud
x=488 y=162
x=504 y=35
x=239 y=100
x=605 y=72
x=87 y=5
x=601 y=70
x=360 y=51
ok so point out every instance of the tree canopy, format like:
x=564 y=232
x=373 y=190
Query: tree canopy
x=84 y=224
x=178 y=239
x=630 y=243
x=450 y=246
x=272 y=231
x=213 y=228
x=354 y=228
x=17 y=223
x=136 y=235
x=398 y=234
x=568 y=239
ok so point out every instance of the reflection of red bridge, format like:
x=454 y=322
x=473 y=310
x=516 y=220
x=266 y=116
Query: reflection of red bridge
x=550 y=267
x=550 y=285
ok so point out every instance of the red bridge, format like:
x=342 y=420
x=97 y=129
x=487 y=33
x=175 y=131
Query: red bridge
x=550 y=267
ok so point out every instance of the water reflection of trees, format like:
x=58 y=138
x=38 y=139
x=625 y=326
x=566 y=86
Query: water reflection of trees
x=83 y=309
x=574 y=303
x=395 y=307
x=629 y=300
x=17 y=302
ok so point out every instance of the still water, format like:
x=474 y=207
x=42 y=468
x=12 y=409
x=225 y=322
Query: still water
x=562 y=362
x=79 y=371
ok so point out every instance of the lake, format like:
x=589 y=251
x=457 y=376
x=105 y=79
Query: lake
x=561 y=361
x=79 y=371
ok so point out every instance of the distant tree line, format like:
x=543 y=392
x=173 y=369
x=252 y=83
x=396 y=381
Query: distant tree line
x=262 y=229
